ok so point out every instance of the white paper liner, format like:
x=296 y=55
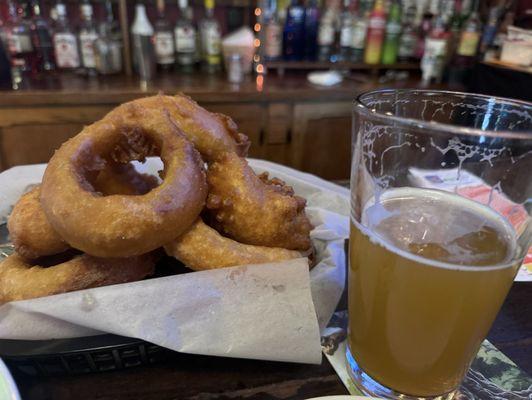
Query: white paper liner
x=268 y=312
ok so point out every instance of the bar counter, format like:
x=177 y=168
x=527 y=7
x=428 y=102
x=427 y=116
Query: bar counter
x=288 y=120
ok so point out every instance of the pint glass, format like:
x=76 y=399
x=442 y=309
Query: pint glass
x=441 y=197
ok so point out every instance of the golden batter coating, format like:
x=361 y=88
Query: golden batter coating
x=123 y=225
x=202 y=247
x=212 y=134
x=29 y=229
x=253 y=209
x=20 y=280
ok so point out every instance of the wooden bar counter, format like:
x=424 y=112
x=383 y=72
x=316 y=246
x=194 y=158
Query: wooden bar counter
x=289 y=120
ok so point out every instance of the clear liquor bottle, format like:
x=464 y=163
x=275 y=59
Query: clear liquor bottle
x=164 y=39
x=185 y=37
x=65 y=42
x=409 y=37
x=42 y=39
x=360 y=28
x=19 y=42
x=143 y=48
x=326 y=32
x=273 y=34
x=210 y=39
x=88 y=34
x=346 y=31
x=109 y=44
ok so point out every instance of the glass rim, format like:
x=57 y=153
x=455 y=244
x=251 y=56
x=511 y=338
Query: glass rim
x=440 y=127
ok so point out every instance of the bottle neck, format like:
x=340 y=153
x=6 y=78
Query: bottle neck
x=36 y=9
x=60 y=10
x=160 y=8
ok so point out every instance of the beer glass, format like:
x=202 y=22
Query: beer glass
x=441 y=197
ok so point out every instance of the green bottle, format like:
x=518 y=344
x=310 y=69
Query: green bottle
x=392 y=35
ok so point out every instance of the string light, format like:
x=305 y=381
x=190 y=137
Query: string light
x=258 y=12
x=257 y=27
x=260 y=68
x=260 y=82
x=256 y=42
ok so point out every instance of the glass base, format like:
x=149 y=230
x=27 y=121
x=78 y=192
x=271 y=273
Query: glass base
x=370 y=387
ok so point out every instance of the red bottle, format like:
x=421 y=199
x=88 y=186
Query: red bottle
x=375 y=35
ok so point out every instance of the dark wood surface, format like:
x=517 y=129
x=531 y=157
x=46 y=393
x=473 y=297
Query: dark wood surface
x=203 y=378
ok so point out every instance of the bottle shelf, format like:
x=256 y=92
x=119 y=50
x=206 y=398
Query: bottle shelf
x=309 y=65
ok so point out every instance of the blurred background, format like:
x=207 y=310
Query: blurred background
x=285 y=70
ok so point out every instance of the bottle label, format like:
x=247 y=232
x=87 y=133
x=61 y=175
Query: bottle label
x=358 y=41
x=273 y=47
x=468 y=44
x=326 y=34
x=66 y=50
x=185 y=39
x=377 y=23
x=86 y=10
x=346 y=36
x=212 y=41
x=164 y=48
x=393 y=28
x=19 y=43
x=433 y=59
x=88 y=51
x=407 y=45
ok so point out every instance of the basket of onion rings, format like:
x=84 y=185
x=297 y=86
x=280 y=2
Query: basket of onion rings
x=96 y=220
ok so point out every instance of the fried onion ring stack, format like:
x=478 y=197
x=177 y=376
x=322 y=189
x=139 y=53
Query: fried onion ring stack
x=94 y=220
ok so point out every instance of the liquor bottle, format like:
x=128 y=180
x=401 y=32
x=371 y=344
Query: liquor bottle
x=312 y=20
x=326 y=34
x=360 y=28
x=164 y=39
x=294 y=32
x=19 y=44
x=143 y=48
x=490 y=30
x=65 y=42
x=470 y=36
x=375 y=35
x=390 y=48
x=434 y=58
x=346 y=32
x=108 y=45
x=87 y=38
x=273 y=35
x=185 y=37
x=42 y=39
x=423 y=32
x=434 y=7
x=409 y=37
x=210 y=39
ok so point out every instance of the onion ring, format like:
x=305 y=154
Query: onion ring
x=253 y=209
x=212 y=134
x=123 y=225
x=202 y=247
x=29 y=229
x=20 y=280
x=31 y=233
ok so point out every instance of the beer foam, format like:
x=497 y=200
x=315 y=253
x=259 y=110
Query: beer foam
x=456 y=217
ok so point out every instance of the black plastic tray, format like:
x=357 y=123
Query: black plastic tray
x=79 y=355
x=86 y=354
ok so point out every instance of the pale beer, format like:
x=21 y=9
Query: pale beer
x=429 y=271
